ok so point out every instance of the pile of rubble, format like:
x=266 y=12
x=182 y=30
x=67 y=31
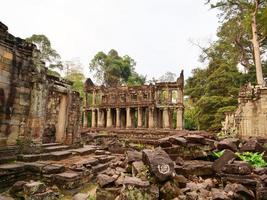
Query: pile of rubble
x=177 y=168
x=160 y=174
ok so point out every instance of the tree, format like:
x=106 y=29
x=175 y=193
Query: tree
x=214 y=89
x=113 y=70
x=251 y=16
x=167 y=77
x=75 y=75
x=47 y=53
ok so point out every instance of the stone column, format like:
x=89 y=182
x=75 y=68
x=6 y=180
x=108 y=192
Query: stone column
x=166 y=120
x=150 y=117
x=102 y=118
x=109 y=118
x=128 y=118
x=139 y=117
x=93 y=98
x=85 y=119
x=118 y=118
x=98 y=117
x=180 y=95
x=179 y=119
x=93 y=124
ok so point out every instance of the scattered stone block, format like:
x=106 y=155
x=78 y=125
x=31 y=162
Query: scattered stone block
x=238 y=167
x=198 y=139
x=107 y=193
x=169 y=190
x=138 y=167
x=195 y=167
x=252 y=145
x=17 y=189
x=103 y=180
x=159 y=162
x=134 y=181
x=229 y=143
x=34 y=188
x=80 y=196
x=132 y=156
x=227 y=157
x=53 y=169
x=239 y=190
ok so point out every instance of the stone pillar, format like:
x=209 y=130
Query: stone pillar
x=118 y=118
x=85 y=119
x=109 y=118
x=180 y=95
x=139 y=117
x=98 y=117
x=179 y=119
x=128 y=118
x=93 y=124
x=150 y=117
x=166 y=120
x=102 y=118
x=93 y=98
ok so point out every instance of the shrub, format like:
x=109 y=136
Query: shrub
x=255 y=159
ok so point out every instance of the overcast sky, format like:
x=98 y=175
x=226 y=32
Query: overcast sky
x=155 y=33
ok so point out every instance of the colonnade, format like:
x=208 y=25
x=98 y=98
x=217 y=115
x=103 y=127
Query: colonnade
x=129 y=117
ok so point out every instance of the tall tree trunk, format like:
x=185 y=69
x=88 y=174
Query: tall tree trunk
x=256 y=46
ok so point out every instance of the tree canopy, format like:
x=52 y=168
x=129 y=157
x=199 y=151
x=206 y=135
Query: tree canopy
x=231 y=60
x=111 y=69
x=47 y=53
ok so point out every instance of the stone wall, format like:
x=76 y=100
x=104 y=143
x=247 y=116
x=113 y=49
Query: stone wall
x=30 y=100
x=250 y=118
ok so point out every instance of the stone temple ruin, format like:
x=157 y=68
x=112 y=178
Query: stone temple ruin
x=250 y=118
x=32 y=103
x=131 y=144
x=142 y=107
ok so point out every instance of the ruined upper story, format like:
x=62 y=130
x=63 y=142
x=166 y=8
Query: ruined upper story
x=163 y=94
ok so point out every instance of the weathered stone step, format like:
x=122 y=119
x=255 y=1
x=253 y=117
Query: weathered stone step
x=99 y=168
x=34 y=157
x=55 y=148
x=60 y=155
x=56 y=155
x=85 y=150
x=51 y=144
x=7 y=159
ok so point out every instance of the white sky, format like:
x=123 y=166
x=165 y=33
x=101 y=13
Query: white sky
x=155 y=33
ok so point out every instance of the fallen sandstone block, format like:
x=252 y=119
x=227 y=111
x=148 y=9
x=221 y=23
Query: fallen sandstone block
x=159 y=163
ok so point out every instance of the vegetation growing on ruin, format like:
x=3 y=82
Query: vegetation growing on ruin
x=255 y=159
x=230 y=62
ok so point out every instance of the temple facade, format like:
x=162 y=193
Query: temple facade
x=158 y=105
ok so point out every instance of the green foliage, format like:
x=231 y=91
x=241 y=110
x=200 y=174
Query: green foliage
x=91 y=198
x=74 y=74
x=217 y=154
x=255 y=159
x=214 y=89
x=134 y=193
x=114 y=70
x=53 y=73
x=27 y=146
x=47 y=53
x=190 y=116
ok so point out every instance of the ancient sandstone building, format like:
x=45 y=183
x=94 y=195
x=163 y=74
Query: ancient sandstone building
x=250 y=118
x=33 y=104
x=147 y=106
